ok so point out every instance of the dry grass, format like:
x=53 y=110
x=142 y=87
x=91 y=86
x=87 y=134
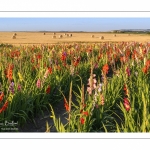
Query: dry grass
x=40 y=38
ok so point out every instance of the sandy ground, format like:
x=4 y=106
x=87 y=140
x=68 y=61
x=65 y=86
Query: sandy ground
x=40 y=121
x=39 y=37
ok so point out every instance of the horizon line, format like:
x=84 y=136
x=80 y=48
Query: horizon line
x=79 y=31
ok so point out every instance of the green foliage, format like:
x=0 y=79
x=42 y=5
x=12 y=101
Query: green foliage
x=64 y=71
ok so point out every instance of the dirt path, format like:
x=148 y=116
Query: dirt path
x=40 y=121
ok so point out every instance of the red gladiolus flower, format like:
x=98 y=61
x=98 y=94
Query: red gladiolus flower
x=81 y=111
x=125 y=90
x=63 y=57
x=128 y=71
x=39 y=56
x=127 y=53
x=19 y=87
x=76 y=62
x=48 y=90
x=85 y=113
x=144 y=51
x=82 y=120
x=50 y=70
x=14 y=54
x=1 y=96
x=126 y=104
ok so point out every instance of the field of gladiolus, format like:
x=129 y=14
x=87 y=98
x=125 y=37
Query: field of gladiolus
x=105 y=87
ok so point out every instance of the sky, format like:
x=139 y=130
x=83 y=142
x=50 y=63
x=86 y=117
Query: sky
x=72 y=24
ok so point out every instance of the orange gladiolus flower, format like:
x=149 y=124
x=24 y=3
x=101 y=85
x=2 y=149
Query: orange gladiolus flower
x=66 y=105
x=4 y=107
x=145 y=69
x=123 y=59
x=148 y=63
x=76 y=63
x=102 y=101
x=9 y=72
x=105 y=69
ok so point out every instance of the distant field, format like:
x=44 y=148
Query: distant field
x=40 y=38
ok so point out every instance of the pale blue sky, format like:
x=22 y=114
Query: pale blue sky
x=72 y=24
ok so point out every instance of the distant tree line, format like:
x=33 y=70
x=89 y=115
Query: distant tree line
x=131 y=31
